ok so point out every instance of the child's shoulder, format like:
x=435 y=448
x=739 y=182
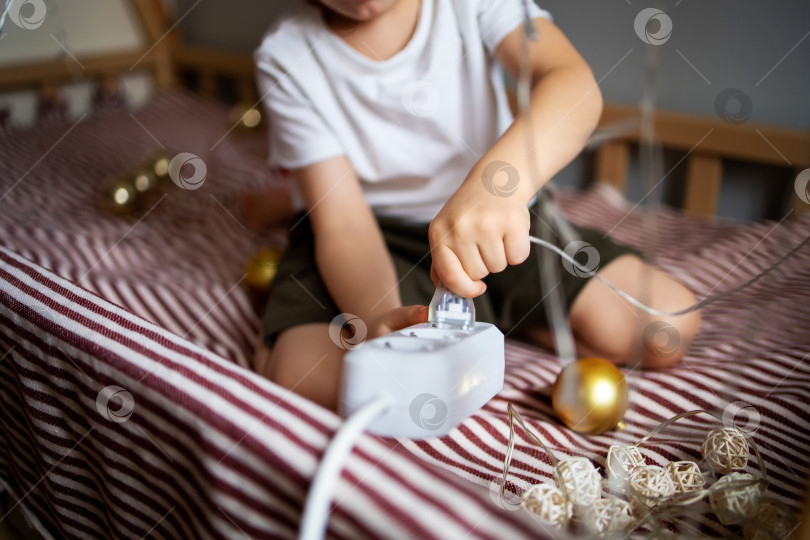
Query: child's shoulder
x=290 y=30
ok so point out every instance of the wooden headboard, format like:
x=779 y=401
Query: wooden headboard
x=47 y=77
x=704 y=142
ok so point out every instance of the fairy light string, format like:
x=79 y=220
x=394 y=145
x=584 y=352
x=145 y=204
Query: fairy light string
x=660 y=510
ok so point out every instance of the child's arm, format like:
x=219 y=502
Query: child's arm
x=349 y=248
x=478 y=232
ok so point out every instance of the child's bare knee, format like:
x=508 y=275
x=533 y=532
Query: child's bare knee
x=306 y=361
x=666 y=342
x=262 y=359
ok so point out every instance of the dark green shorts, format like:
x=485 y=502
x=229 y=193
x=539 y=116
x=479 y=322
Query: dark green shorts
x=512 y=300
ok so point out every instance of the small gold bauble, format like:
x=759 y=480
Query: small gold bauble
x=144 y=180
x=118 y=197
x=246 y=117
x=261 y=269
x=159 y=163
x=590 y=395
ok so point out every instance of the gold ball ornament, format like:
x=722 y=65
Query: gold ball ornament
x=590 y=395
x=261 y=269
x=246 y=117
x=144 y=181
x=160 y=165
x=119 y=198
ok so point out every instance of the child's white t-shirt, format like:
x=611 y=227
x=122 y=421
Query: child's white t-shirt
x=412 y=126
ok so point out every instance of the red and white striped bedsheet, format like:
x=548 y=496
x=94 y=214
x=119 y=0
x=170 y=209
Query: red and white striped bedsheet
x=181 y=268
x=211 y=450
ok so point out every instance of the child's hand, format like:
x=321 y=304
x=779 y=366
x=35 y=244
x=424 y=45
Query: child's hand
x=476 y=233
x=397 y=319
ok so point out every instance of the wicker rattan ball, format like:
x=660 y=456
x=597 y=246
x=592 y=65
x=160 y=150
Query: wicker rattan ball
x=770 y=521
x=685 y=475
x=579 y=479
x=547 y=503
x=651 y=483
x=735 y=505
x=725 y=450
x=605 y=516
x=620 y=461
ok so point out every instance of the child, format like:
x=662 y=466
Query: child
x=394 y=118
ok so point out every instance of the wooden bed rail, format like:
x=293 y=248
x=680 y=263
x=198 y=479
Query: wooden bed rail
x=707 y=141
x=211 y=66
x=47 y=77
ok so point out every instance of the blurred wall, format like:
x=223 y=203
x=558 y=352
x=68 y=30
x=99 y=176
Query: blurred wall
x=761 y=49
x=65 y=32
x=730 y=43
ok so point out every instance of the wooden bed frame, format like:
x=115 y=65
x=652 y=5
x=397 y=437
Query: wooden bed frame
x=174 y=64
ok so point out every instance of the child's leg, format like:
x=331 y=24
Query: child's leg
x=606 y=325
x=305 y=360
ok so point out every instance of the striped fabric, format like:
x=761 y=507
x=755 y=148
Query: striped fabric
x=103 y=316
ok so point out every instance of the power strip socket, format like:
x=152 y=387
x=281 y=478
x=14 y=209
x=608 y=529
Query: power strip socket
x=435 y=377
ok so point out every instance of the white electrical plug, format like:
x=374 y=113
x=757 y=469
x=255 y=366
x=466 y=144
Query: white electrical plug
x=434 y=374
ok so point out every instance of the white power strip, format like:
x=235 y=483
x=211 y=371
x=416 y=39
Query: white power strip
x=418 y=382
x=433 y=377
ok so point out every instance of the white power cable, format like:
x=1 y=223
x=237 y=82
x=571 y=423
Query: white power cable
x=5 y=14
x=316 y=509
x=706 y=301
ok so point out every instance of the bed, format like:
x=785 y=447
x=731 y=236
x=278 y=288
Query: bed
x=130 y=409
